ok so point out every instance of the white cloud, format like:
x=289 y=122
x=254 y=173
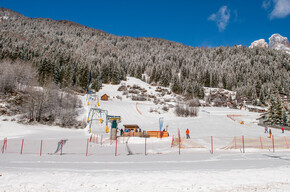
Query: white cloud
x=281 y=8
x=221 y=17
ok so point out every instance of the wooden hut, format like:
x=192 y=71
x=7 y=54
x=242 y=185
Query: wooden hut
x=105 y=97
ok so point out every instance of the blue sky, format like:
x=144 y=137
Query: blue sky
x=191 y=22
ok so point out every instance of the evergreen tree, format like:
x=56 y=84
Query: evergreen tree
x=271 y=112
x=176 y=86
x=278 y=112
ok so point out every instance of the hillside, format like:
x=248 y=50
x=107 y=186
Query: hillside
x=77 y=56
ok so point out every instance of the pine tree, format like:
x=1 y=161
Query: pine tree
x=284 y=117
x=271 y=112
x=278 y=112
x=176 y=86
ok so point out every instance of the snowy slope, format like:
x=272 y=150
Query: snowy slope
x=162 y=169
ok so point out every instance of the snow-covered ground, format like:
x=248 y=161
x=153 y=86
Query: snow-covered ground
x=162 y=169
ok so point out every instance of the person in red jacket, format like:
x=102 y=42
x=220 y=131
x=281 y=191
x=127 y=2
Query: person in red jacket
x=282 y=129
x=187 y=134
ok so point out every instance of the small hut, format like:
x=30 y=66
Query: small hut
x=132 y=130
x=105 y=97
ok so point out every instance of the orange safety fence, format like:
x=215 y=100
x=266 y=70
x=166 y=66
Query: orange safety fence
x=258 y=143
x=185 y=143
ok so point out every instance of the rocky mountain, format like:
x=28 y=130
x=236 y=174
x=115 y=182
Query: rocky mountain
x=259 y=43
x=276 y=42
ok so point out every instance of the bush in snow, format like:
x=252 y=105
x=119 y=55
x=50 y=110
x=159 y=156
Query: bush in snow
x=185 y=111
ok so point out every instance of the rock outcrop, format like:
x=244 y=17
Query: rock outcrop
x=259 y=43
x=276 y=41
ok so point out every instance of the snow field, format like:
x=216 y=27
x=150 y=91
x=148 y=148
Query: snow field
x=162 y=169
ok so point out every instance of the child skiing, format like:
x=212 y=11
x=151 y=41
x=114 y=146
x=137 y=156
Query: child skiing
x=270 y=132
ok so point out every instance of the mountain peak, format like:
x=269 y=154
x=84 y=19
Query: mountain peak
x=278 y=42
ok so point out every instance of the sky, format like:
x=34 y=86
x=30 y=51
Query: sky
x=197 y=23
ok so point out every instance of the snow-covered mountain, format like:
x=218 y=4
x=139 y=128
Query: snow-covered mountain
x=276 y=41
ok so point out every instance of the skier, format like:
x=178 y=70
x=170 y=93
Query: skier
x=266 y=129
x=187 y=134
x=121 y=131
x=282 y=129
x=270 y=132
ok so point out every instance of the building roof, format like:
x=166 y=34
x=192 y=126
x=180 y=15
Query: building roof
x=131 y=126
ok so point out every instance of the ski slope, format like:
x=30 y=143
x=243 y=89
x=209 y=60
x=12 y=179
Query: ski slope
x=162 y=169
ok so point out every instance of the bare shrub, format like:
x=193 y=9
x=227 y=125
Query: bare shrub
x=185 y=111
x=193 y=102
x=165 y=108
x=122 y=88
x=119 y=97
x=139 y=98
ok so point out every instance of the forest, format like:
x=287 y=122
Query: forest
x=75 y=56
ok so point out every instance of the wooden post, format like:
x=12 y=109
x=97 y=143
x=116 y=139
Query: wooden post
x=145 y=146
x=87 y=147
x=97 y=141
x=286 y=142
x=61 y=147
x=243 y=139
x=273 y=143
x=261 y=142
x=116 y=146
x=40 y=147
x=101 y=139
x=211 y=144
x=22 y=146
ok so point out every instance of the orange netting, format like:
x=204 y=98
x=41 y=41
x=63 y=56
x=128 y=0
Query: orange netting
x=258 y=142
x=185 y=143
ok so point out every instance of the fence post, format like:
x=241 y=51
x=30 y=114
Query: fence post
x=211 y=144
x=61 y=147
x=87 y=147
x=261 y=142
x=172 y=141
x=97 y=141
x=40 y=147
x=273 y=143
x=116 y=146
x=243 y=144
x=101 y=139
x=22 y=146
x=179 y=139
x=145 y=146
x=286 y=142
x=4 y=144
